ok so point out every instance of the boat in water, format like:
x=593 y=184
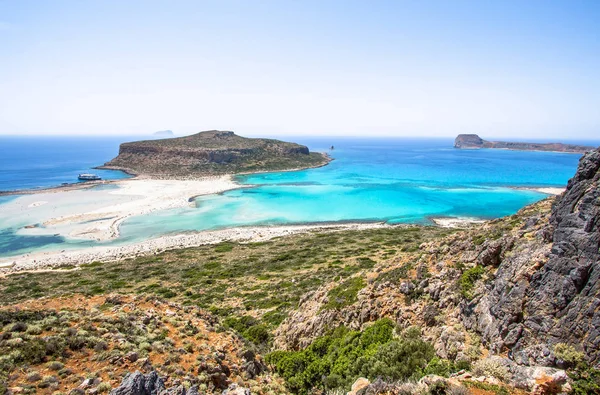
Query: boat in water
x=89 y=177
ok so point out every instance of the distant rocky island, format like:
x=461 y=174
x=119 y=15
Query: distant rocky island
x=212 y=153
x=164 y=133
x=473 y=141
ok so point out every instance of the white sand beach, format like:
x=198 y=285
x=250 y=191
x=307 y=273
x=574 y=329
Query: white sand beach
x=552 y=191
x=95 y=214
x=456 y=222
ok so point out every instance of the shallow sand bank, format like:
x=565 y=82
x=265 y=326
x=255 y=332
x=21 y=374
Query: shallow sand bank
x=554 y=191
x=45 y=260
x=95 y=214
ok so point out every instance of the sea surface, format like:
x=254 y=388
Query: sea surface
x=36 y=161
x=390 y=180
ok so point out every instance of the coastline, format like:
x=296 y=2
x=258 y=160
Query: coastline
x=141 y=195
x=552 y=191
x=55 y=259
x=527 y=150
x=85 y=214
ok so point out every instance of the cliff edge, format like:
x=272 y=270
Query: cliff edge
x=473 y=141
x=212 y=153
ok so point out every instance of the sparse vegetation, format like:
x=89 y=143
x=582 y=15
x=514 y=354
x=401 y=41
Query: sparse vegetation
x=344 y=294
x=467 y=280
x=336 y=360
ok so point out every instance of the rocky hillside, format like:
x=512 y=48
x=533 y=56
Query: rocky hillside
x=212 y=153
x=524 y=289
x=473 y=141
x=510 y=306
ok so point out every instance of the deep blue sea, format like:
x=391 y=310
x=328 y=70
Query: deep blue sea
x=35 y=161
x=376 y=179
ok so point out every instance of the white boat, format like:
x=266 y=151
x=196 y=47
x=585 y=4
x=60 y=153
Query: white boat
x=89 y=177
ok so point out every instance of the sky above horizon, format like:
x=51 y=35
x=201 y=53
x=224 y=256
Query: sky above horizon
x=527 y=69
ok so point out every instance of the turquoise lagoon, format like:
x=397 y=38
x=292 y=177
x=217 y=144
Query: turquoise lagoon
x=380 y=180
x=390 y=180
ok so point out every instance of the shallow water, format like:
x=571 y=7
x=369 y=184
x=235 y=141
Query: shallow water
x=394 y=180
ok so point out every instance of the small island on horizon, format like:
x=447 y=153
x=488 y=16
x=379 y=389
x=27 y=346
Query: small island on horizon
x=473 y=141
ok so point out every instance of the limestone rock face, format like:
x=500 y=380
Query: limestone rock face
x=469 y=141
x=563 y=298
x=150 y=384
x=549 y=293
x=539 y=285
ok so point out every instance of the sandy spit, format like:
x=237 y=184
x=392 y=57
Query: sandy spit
x=151 y=195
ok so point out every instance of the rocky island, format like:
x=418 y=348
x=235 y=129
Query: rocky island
x=473 y=141
x=212 y=153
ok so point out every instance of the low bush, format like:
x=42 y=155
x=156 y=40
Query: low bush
x=336 y=360
x=344 y=294
x=568 y=354
x=467 y=280
x=491 y=368
x=250 y=328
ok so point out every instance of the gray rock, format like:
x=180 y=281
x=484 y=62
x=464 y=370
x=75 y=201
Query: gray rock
x=139 y=384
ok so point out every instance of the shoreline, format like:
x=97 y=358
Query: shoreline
x=456 y=222
x=56 y=259
x=552 y=191
x=84 y=214
x=75 y=186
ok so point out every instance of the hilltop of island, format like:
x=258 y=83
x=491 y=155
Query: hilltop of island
x=473 y=141
x=212 y=153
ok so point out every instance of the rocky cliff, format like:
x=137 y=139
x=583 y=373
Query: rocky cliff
x=473 y=141
x=212 y=153
x=517 y=287
x=534 y=304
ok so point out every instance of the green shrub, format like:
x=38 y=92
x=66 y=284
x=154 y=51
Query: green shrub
x=344 y=294
x=467 y=280
x=491 y=367
x=55 y=365
x=103 y=387
x=337 y=359
x=224 y=247
x=250 y=328
x=568 y=354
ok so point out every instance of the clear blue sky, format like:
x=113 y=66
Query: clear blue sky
x=405 y=68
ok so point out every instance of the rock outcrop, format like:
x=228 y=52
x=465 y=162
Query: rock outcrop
x=151 y=384
x=555 y=301
x=516 y=286
x=473 y=141
x=212 y=153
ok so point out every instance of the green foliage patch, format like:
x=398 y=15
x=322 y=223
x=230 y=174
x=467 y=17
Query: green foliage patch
x=467 y=280
x=344 y=294
x=336 y=360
